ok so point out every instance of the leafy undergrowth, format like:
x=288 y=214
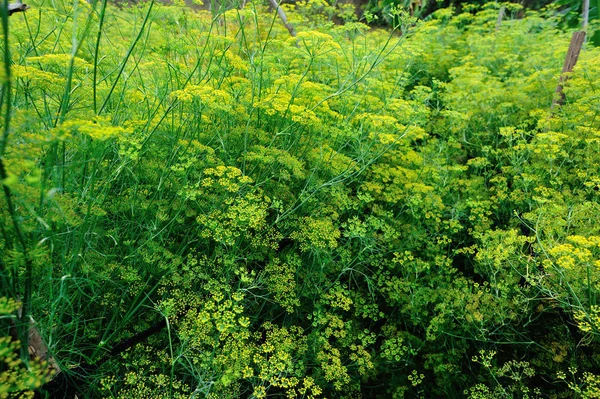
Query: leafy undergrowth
x=347 y=213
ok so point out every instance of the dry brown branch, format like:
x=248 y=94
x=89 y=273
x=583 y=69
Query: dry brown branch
x=16 y=7
x=283 y=17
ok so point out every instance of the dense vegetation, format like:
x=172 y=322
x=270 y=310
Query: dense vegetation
x=347 y=213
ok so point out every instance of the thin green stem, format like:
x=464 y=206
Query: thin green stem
x=96 y=50
x=76 y=46
x=172 y=375
x=124 y=62
x=7 y=100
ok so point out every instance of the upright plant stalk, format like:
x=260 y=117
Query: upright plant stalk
x=124 y=63
x=7 y=100
x=96 y=50
x=6 y=84
x=64 y=106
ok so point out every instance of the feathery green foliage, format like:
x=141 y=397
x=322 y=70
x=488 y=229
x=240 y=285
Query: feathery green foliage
x=347 y=213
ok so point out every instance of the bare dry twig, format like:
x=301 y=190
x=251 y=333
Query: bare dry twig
x=16 y=7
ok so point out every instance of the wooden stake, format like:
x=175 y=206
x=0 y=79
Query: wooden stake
x=585 y=15
x=500 y=17
x=574 y=49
